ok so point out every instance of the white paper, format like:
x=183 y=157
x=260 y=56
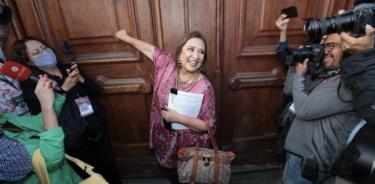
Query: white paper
x=187 y=104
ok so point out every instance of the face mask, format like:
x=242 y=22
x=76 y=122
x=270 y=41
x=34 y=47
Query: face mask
x=46 y=59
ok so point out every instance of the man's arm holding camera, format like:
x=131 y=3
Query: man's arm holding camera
x=319 y=103
x=353 y=45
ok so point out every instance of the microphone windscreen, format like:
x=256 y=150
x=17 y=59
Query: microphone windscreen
x=16 y=71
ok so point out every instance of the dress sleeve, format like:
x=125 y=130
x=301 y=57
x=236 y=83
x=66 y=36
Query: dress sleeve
x=162 y=59
x=52 y=146
x=208 y=111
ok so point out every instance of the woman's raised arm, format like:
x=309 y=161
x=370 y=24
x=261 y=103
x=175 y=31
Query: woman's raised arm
x=143 y=47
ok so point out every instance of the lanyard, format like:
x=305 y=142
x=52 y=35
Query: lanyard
x=4 y=79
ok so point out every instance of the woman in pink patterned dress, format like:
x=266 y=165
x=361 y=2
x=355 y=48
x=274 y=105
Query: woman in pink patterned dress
x=182 y=71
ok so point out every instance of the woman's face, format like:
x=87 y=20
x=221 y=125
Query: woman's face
x=192 y=55
x=40 y=55
x=34 y=49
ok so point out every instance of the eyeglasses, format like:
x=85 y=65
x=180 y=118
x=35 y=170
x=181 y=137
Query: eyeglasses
x=330 y=46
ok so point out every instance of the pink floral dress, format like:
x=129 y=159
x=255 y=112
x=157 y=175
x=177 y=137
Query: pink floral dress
x=165 y=142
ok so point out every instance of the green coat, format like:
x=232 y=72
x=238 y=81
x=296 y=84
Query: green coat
x=50 y=142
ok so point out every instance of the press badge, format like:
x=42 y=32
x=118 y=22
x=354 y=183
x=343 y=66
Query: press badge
x=84 y=105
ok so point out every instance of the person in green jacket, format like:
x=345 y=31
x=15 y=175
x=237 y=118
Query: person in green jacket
x=42 y=131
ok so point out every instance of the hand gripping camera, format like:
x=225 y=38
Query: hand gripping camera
x=314 y=52
x=354 y=20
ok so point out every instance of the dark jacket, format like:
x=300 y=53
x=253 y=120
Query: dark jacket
x=323 y=122
x=89 y=88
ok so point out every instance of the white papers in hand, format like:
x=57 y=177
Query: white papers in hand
x=187 y=104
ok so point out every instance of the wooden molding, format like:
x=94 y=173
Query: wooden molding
x=123 y=85
x=256 y=79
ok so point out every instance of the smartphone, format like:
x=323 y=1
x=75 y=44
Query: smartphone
x=290 y=12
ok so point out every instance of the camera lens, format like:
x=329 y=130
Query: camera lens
x=5 y=14
x=316 y=28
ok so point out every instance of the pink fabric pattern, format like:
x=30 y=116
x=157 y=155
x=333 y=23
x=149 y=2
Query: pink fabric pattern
x=164 y=142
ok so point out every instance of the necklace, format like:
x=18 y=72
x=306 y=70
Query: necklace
x=189 y=86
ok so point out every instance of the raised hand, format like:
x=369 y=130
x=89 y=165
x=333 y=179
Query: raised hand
x=44 y=92
x=122 y=35
x=71 y=80
x=75 y=67
x=353 y=45
x=282 y=22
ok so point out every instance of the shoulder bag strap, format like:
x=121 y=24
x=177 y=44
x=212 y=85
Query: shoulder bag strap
x=95 y=178
x=39 y=167
x=216 y=152
x=84 y=166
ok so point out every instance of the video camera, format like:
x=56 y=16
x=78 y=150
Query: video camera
x=5 y=14
x=314 y=52
x=354 y=20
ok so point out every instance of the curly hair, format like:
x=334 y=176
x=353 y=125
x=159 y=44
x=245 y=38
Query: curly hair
x=19 y=49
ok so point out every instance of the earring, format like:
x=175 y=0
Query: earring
x=178 y=62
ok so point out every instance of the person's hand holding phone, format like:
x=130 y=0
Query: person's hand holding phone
x=74 y=67
x=290 y=12
x=282 y=23
x=72 y=79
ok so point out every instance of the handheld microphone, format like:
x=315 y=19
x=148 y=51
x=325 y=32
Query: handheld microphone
x=20 y=72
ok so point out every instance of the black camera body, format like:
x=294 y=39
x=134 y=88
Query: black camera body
x=354 y=20
x=314 y=52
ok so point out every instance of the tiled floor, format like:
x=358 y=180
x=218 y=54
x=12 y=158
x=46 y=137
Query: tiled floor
x=271 y=176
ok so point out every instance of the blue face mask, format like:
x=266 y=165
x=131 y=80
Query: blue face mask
x=46 y=59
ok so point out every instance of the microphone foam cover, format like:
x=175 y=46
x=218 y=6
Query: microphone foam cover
x=16 y=71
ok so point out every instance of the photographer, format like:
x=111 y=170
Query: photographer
x=358 y=74
x=323 y=121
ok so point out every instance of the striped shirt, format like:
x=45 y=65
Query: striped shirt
x=15 y=162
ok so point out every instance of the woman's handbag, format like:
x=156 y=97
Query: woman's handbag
x=39 y=166
x=203 y=165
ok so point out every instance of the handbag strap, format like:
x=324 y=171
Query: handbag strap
x=39 y=167
x=84 y=166
x=216 y=152
x=195 y=165
x=216 y=159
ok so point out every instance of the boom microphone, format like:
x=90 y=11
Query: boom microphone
x=20 y=72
